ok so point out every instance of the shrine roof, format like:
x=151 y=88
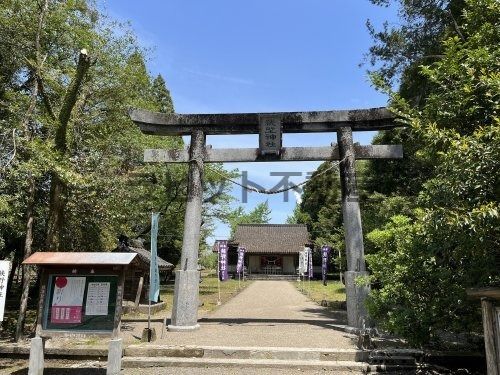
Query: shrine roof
x=271 y=238
x=144 y=256
x=80 y=258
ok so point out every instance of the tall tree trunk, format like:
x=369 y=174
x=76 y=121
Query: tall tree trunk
x=56 y=212
x=27 y=252
x=57 y=186
x=12 y=273
x=30 y=216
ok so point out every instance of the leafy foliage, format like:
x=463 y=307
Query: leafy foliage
x=108 y=189
x=259 y=215
x=426 y=260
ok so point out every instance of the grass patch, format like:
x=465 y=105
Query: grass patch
x=333 y=293
x=209 y=293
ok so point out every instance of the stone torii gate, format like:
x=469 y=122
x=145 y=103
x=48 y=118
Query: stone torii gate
x=270 y=127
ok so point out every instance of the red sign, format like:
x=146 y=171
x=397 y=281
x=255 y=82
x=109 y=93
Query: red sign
x=67 y=300
x=66 y=314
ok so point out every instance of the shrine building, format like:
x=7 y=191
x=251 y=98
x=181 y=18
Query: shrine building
x=272 y=250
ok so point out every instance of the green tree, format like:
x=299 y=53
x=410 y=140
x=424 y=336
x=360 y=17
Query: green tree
x=89 y=144
x=162 y=95
x=400 y=48
x=426 y=260
x=259 y=215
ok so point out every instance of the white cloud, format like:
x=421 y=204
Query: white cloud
x=220 y=77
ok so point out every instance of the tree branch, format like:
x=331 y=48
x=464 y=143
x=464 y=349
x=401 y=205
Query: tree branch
x=165 y=208
x=457 y=28
x=70 y=100
x=45 y=98
x=14 y=150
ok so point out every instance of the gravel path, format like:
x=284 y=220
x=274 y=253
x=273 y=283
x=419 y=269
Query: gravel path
x=264 y=314
x=62 y=367
x=267 y=314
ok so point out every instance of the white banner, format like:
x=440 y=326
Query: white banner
x=303 y=261
x=4 y=277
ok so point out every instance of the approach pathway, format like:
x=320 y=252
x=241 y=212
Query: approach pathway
x=268 y=314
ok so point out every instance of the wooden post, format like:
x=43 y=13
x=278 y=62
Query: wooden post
x=490 y=336
x=353 y=231
x=185 y=304
x=139 y=291
x=41 y=302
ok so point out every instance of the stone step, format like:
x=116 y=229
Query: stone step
x=257 y=353
x=392 y=360
x=344 y=366
x=271 y=277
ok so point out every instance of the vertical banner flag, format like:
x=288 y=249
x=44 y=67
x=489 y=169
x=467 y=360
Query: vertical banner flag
x=241 y=257
x=4 y=277
x=302 y=268
x=223 y=276
x=154 y=273
x=325 y=259
x=310 y=263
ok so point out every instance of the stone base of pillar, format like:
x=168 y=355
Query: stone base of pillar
x=36 y=361
x=185 y=305
x=355 y=300
x=173 y=328
x=115 y=352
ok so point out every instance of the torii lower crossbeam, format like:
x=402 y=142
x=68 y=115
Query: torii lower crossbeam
x=245 y=155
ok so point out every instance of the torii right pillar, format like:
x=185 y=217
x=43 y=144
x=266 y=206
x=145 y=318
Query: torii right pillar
x=355 y=294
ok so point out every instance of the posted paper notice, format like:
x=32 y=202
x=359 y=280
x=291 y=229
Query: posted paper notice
x=97 y=298
x=67 y=300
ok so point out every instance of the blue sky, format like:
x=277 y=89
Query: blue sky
x=260 y=56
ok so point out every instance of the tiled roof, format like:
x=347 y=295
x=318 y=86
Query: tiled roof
x=271 y=238
x=145 y=257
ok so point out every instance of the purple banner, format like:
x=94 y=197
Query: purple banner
x=325 y=259
x=222 y=249
x=241 y=257
x=310 y=265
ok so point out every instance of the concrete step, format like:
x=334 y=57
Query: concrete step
x=257 y=353
x=271 y=277
x=392 y=360
x=344 y=366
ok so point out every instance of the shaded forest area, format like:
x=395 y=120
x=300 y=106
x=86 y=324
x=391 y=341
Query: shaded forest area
x=71 y=170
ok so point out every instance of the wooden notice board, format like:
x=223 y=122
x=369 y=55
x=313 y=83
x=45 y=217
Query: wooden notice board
x=80 y=302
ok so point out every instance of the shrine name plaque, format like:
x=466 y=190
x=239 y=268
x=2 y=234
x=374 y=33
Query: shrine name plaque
x=270 y=135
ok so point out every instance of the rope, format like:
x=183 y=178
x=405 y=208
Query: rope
x=270 y=192
x=200 y=165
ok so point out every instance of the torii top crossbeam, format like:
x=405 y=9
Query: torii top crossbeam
x=248 y=123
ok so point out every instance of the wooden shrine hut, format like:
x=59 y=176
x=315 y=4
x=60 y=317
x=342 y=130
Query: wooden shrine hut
x=272 y=250
x=137 y=278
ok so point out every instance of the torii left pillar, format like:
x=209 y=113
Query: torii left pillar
x=187 y=278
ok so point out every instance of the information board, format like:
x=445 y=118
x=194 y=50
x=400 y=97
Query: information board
x=80 y=302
